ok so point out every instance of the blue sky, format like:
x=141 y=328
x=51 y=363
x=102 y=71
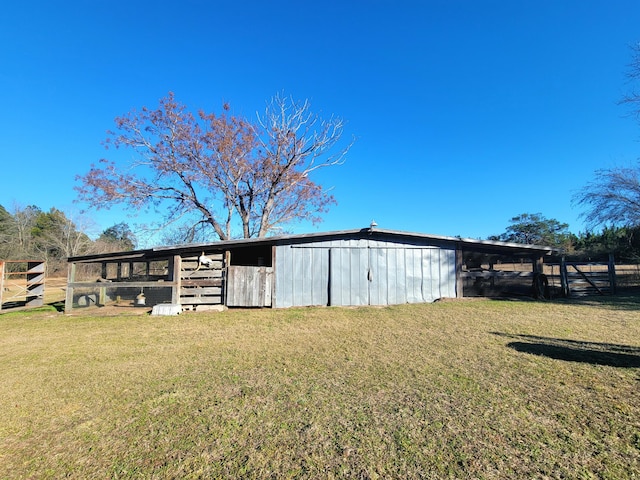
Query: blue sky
x=466 y=112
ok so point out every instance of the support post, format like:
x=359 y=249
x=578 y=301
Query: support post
x=459 y=280
x=175 y=267
x=71 y=278
x=564 y=280
x=612 y=274
x=1 y=282
x=538 y=264
x=225 y=276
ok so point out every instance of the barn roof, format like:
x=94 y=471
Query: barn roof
x=481 y=246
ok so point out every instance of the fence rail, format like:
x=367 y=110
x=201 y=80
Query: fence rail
x=22 y=284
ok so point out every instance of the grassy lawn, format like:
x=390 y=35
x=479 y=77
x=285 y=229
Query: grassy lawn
x=455 y=389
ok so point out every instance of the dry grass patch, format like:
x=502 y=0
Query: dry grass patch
x=480 y=389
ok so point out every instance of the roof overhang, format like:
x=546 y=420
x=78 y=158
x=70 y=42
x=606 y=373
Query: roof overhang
x=468 y=244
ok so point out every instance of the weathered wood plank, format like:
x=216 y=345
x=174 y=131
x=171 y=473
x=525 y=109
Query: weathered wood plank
x=211 y=300
x=191 y=265
x=200 y=291
x=207 y=282
x=122 y=284
x=195 y=274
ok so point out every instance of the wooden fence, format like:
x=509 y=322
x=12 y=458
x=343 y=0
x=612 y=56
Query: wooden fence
x=21 y=284
x=562 y=278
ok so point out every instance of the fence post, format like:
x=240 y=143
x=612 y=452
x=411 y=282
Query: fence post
x=71 y=278
x=1 y=282
x=612 y=274
x=564 y=282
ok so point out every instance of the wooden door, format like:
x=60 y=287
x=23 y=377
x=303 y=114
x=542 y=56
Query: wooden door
x=249 y=286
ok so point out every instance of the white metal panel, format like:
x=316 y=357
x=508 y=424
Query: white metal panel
x=378 y=276
x=349 y=283
x=431 y=267
x=321 y=277
x=413 y=275
x=447 y=273
x=361 y=272
x=301 y=276
x=400 y=276
x=336 y=293
x=283 y=273
x=303 y=270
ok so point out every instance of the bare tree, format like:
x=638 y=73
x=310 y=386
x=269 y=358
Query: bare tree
x=632 y=98
x=294 y=142
x=613 y=197
x=56 y=237
x=22 y=222
x=219 y=171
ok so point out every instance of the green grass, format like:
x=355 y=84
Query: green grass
x=469 y=389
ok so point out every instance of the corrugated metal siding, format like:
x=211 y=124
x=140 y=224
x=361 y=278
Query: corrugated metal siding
x=301 y=275
x=348 y=282
x=362 y=272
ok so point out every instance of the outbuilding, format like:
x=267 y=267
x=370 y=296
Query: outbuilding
x=369 y=266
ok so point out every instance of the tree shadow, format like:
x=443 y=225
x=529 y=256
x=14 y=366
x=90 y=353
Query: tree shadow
x=608 y=354
x=628 y=300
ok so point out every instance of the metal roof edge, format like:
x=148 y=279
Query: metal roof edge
x=334 y=233
x=303 y=236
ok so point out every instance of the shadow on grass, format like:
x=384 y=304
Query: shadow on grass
x=627 y=300
x=608 y=354
x=21 y=306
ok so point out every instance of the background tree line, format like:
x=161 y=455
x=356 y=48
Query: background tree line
x=535 y=229
x=28 y=233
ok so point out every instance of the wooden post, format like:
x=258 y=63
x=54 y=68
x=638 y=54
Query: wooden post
x=564 y=281
x=612 y=274
x=225 y=276
x=71 y=278
x=175 y=267
x=1 y=282
x=459 y=280
x=538 y=264
x=102 y=296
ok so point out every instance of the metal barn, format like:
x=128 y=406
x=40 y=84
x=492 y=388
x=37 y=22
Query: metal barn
x=363 y=269
x=369 y=266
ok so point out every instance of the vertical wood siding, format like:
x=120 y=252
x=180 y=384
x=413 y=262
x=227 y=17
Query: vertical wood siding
x=249 y=286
